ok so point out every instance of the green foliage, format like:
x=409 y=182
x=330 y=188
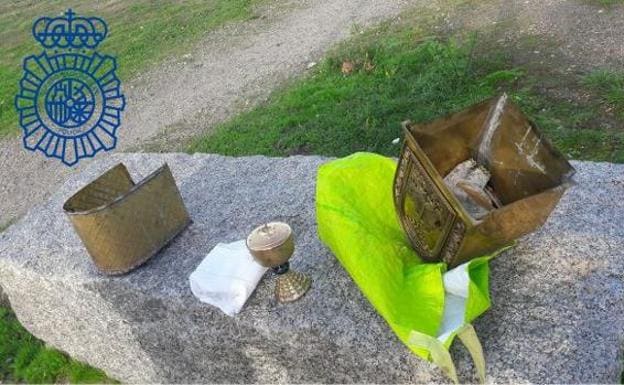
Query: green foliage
x=501 y=76
x=17 y=347
x=397 y=77
x=79 y=373
x=610 y=87
x=141 y=33
x=23 y=358
x=45 y=367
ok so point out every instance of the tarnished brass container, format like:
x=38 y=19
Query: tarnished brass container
x=272 y=245
x=528 y=175
x=123 y=224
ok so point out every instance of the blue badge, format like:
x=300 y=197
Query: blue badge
x=70 y=100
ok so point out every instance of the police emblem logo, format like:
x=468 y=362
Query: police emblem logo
x=70 y=99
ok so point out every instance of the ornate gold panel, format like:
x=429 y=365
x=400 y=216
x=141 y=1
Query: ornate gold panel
x=425 y=214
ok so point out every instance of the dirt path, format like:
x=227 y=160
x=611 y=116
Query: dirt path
x=580 y=32
x=238 y=66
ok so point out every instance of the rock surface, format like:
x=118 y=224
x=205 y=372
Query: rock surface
x=558 y=297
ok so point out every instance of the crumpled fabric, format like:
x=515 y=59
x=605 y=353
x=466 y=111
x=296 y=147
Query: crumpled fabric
x=226 y=277
x=358 y=222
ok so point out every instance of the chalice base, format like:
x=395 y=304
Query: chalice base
x=291 y=285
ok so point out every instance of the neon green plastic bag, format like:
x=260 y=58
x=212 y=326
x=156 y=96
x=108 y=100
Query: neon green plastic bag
x=358 y=222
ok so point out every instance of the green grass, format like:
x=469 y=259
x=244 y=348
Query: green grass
x=23 y=358
x=399 y=77
x=141 y=33
x=334 y=114
x=608 y=2
x=610 y=87
x=569 y=126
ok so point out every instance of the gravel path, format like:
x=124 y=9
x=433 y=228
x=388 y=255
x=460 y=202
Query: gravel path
x=238 y=66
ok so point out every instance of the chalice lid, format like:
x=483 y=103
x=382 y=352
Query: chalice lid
x=269 y=236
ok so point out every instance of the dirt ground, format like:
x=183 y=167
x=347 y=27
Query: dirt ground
x=237 y=67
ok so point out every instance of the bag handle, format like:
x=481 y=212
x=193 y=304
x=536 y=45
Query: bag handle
x=441 y=357
x=468 y=336
x=438 y=352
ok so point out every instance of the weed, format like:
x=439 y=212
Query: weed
x=610 y=86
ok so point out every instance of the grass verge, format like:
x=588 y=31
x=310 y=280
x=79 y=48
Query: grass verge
x=141 y=33
x=610 y=88
x=25 y=359
x=608 y=2
x=357 y=97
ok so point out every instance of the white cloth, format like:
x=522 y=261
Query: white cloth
x=456 y=283
x=226 y=277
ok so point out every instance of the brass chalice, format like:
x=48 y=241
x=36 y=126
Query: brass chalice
x=272 y=245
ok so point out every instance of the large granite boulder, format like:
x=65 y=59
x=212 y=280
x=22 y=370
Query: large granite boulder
x=558 y=297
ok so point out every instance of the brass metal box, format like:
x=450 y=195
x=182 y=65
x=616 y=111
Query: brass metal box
x=123 y=224
x=528 y=176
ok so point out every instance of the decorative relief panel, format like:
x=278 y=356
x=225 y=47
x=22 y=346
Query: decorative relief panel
x=425 y=215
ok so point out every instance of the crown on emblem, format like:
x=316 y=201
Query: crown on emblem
x=69 y=31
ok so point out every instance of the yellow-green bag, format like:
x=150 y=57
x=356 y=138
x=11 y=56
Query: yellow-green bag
x=358 y=222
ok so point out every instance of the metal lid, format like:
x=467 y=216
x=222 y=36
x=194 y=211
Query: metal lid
x=268 y=236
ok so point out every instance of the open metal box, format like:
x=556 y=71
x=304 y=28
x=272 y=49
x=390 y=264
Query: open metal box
x=123 y=224
x=528 y=175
